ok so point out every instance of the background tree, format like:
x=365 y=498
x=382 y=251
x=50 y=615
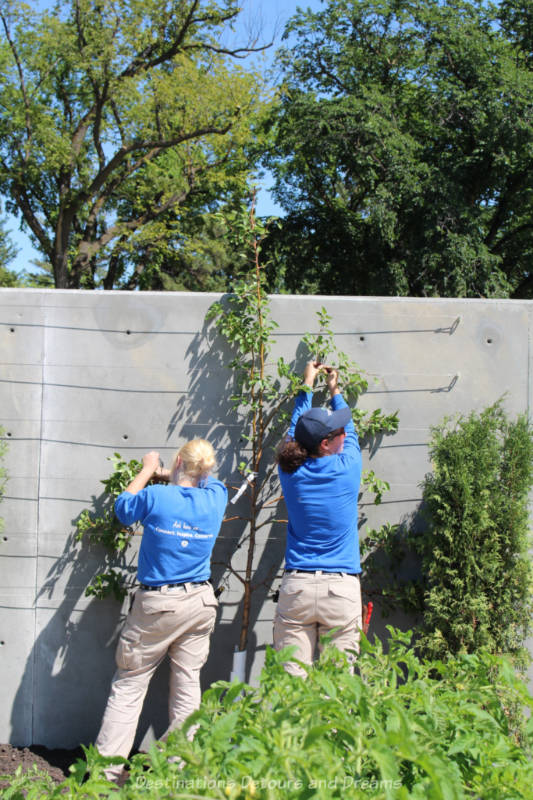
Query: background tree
x=403 y=150
x=7 y=254
x=119 y=118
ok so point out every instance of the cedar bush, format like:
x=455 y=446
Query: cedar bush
x=474 y=549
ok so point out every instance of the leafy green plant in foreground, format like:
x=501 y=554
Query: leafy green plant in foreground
x=399 y=728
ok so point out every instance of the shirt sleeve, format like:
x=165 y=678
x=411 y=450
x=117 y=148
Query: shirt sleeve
x=219 y=490
x=302 y=403
x=351 y=448
x=131 y=508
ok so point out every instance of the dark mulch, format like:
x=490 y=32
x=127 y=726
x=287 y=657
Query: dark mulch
x=54 y=762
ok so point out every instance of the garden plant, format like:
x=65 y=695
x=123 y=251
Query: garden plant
x=398 y=728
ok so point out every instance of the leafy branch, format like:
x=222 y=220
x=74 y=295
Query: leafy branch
x=105 y=529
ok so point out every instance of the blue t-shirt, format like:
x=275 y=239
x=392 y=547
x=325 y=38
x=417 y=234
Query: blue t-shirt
x=321 y=499
x=180 y=523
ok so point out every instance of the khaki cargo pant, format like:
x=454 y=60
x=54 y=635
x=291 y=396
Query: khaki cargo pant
x=310 y=605
x=177 y=621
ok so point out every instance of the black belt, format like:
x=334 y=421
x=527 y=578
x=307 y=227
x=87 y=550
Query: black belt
x=147 y=588
x=321 y=571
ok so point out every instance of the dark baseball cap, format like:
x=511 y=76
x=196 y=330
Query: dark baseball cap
x=317 y=423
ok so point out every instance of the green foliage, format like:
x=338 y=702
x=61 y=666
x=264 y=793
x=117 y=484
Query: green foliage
x=398 y=729
x=370 y=480
x=105 y=529
x=108 y=584
x=192 y=254
x=474 y=551
x=401 y=150
x=123 y=124
x=8 y=252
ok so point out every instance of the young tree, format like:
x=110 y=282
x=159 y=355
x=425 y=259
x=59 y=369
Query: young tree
x=403 y=150
x=118 y=119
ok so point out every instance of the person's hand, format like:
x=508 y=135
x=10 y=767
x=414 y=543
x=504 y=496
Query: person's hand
x=151 y=461
x=310 y=372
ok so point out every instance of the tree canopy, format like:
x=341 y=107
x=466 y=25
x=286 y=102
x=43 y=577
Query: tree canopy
x=7 y=254
x=403 y=150
x=123 y=124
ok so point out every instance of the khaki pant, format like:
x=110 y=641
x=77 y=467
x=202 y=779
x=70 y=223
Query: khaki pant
x=310 y=605
x=177 y=621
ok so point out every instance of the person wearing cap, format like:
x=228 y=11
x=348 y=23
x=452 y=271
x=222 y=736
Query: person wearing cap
x=319 y=465
x=174 y=608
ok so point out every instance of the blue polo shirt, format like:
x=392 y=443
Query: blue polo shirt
x=180 y=523
x=321 y=498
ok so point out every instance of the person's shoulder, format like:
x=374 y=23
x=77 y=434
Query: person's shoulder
x=214 y=483
x=154 y=488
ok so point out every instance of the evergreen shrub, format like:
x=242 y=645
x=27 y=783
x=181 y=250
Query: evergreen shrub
x=474 y=549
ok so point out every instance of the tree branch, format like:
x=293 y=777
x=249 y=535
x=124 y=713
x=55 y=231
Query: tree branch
x=22 y=88
x=31 y=219
x=270 y=522
x=517 y=180
x=155 y=148
x=88 y=248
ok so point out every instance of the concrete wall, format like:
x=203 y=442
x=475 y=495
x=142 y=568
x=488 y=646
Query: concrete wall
x=85 y=374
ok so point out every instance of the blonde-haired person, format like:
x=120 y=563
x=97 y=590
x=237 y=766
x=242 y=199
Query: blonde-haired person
x=174 y=608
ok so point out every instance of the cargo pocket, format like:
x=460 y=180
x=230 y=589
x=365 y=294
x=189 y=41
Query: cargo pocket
x=128 y=655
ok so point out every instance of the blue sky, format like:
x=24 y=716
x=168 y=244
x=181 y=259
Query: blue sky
x=264 y=17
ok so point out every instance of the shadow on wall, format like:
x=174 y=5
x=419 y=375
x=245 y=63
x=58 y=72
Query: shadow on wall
x=71 y=685
x=391 y=573
x=69 y=694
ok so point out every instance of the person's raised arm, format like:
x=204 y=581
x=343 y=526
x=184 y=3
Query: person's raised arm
x=304 y=399
x=150 y=468
x=332 y=380
x=312 y=368
x=351 y=443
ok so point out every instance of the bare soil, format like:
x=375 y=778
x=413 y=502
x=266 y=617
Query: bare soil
x=54 y=762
